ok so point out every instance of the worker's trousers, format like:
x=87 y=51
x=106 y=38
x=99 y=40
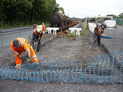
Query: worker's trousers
x=33 y=57
x=34 y=39
x=97 y=39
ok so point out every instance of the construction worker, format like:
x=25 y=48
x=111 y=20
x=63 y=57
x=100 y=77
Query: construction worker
x=98 y=30
x=37 y=35
x=20 y=45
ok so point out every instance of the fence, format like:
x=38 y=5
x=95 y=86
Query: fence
x=8 y=24
x=99 y=69
x=7 y=35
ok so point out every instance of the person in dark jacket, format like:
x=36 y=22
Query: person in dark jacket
x=37 y=36
x=98 y=30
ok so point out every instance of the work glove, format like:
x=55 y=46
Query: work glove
x=38 y=38
x=29 y=59
x=20 y=56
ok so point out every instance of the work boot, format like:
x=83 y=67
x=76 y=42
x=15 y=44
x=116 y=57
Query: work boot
x=37 y=50
x=36 y=66
x=100 y=45
x=18 y=66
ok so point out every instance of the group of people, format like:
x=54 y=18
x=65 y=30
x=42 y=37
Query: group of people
x=20 y=45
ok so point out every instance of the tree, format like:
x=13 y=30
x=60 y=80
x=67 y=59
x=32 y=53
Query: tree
x=111 y=15
x=60 y=8
x=22 y=9
x=120 y=15
x=43 y=9
x=27 y=10
x=9 y=10
x=16 y=9
x=2 y=15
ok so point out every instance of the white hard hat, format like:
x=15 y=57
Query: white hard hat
x=39 y=27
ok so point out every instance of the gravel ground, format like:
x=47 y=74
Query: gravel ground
x=116 y=43
x=25 y=86
x=58 y=48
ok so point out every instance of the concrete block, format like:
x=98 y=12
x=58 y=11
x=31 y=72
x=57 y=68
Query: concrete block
x=54 y=30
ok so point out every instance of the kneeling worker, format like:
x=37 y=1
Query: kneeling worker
x=36 y=36
x=20 y=45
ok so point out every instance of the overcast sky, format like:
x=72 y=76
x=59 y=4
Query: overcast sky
x=83 y=8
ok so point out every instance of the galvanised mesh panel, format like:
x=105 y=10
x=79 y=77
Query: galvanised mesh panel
x=99 y=69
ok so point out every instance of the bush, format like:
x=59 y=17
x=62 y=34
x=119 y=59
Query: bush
x=71 y=35
x=5 y=26
x=85 y=30
x=21 y=24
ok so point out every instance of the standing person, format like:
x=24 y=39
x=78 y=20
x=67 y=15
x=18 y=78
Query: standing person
x=37 y=36
x=98 y=30
x=20 y=45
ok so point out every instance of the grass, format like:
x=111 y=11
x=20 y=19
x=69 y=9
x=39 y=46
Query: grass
x=71 y=35
x=84 y=32
x=13 y=25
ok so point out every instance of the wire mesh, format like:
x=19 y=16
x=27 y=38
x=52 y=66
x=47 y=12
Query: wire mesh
x=99 y=69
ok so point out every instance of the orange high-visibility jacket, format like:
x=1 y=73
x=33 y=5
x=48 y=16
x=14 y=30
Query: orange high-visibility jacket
x=43 y=27
x=23 y=47
x=99 y=31
x=39 y=34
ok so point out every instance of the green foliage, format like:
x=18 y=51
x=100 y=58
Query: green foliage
x=26 y=11
x=67 y=17
x=121 y=17
x=5 y=26
x=60 y=8
x=21 y=24
x=99 y=18
x=2 y=15
x=85 y=30
x=71 y=35
x=111 y=15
